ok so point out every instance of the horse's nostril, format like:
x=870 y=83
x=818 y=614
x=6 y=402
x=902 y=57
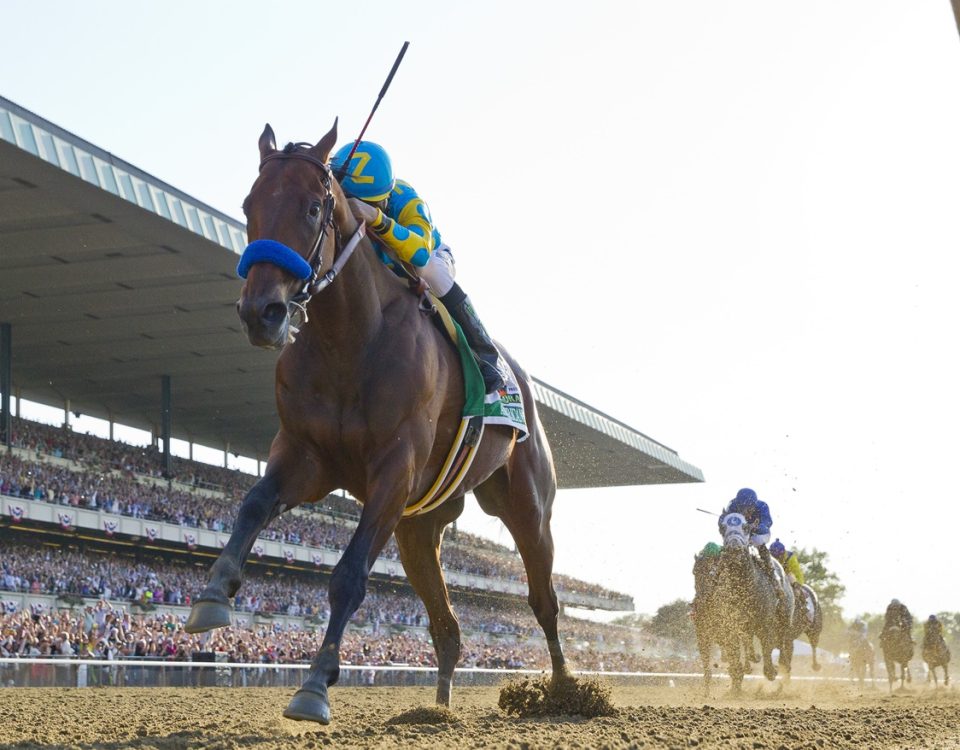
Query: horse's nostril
x=274 y=313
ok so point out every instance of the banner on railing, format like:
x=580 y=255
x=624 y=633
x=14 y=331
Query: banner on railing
x=66 y=521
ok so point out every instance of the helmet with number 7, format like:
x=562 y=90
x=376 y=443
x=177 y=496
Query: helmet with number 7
x=369 y=175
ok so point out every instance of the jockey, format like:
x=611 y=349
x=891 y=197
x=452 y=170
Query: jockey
x=933 y=629
x=759 y=521
x=398 y=218
x=789 y=561
x=857 y=632
x=710 y=549
x=897 y=615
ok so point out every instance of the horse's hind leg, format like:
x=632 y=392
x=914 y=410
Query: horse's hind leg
x=524 y=504
x=419 y=541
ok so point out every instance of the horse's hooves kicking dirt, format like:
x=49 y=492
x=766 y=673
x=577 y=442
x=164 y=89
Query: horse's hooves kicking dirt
x=568 y=696
x=426 y=715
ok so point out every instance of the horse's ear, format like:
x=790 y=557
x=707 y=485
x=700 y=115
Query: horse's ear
x=268 y=142
x=325 y=145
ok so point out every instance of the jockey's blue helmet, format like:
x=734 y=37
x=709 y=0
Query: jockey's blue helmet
x=369 y=175
x=777 y=549
x=746 y=495
x=932 y=618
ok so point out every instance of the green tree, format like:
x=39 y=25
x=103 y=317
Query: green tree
x=822 y=580
x=673 y=621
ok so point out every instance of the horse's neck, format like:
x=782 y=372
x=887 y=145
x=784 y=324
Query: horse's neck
x=347 y=316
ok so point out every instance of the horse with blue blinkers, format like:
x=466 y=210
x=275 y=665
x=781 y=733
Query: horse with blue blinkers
x=369 y=395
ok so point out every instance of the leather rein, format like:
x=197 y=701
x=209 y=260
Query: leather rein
x=341 y=253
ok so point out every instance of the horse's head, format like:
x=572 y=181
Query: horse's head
x=735 y=530
x=292 y=232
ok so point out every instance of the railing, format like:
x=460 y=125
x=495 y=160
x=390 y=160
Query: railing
x=140 y=672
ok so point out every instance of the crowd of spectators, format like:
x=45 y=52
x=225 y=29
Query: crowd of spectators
x=105 y=631
x=121 y=479
x=51 y=570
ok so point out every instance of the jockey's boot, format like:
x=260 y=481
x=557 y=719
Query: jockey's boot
x=767 y=561
x=484 y=350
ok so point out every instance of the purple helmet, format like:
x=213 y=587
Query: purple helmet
x=778 y=550
x=746 y=495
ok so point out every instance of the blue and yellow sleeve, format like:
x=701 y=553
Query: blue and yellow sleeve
x=410 y=236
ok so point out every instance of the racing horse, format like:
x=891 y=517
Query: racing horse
x=862 y=658
x=706 y=622
x=897 y=647
x=369 y=395
x=935 y=653
x=747 y=605
x=807 y=601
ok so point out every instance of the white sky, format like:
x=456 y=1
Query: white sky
x=728 y=224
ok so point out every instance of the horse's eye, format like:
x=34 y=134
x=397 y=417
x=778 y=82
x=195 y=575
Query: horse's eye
x=314 y=210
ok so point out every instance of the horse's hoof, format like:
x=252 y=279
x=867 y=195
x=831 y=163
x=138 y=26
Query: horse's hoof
x=306 y=705
x=816 y=667
x=444 y=691
x=206 y=616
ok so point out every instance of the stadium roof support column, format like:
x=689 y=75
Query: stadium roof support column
x=165 y=408
x=6 y=382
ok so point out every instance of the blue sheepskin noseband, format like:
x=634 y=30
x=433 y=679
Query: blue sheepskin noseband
x=271 y=251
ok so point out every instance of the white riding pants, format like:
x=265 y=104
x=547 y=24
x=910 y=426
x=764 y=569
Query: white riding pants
x=440 y=271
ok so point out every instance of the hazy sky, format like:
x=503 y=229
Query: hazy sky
x=731 y=225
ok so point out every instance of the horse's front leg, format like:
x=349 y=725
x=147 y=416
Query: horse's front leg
x=382 y=511
x=290 y=480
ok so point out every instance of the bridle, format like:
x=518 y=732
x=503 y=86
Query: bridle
x=313 y=283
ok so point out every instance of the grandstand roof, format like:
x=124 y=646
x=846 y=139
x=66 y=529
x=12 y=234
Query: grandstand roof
x=112 y=278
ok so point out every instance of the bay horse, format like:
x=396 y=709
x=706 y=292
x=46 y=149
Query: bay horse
x=706 y=622
x=897 y=647
x=706 y=614
x=369 y=396
x=747 y=606
x=935 y=653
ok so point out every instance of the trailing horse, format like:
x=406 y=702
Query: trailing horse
x=805 y=601
x=745 y=604
x=370 y=396
x=897 y=647
x=862 y=658
x=936 y=654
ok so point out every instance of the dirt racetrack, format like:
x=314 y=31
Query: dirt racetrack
x=807 y=716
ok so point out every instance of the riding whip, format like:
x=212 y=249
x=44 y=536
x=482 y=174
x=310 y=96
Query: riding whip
x=708 y=512
x=343 y=167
